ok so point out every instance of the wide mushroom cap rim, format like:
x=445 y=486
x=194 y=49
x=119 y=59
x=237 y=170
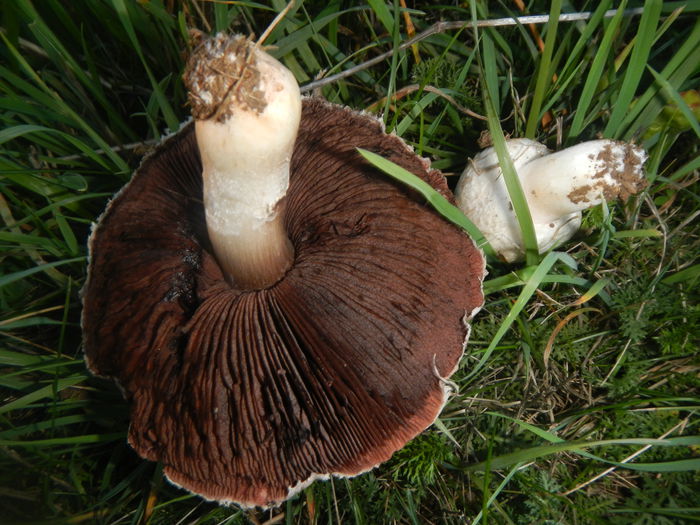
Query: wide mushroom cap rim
x=247 y=397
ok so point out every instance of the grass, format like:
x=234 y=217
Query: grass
x=579 y=393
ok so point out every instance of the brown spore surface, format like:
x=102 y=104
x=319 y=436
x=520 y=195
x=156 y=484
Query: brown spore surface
x=242 y=395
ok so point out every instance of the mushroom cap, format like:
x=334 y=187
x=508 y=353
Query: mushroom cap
x=482 y=195
x=248 y=396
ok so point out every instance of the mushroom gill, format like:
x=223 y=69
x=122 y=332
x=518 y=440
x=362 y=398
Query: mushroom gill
x=247 y=396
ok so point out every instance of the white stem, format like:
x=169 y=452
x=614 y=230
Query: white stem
x=557 y=186
x=580 y=177
x=251 y=107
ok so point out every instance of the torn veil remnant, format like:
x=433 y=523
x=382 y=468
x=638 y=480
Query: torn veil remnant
x=557 y=187
x=275 y=309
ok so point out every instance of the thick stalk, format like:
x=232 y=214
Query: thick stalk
x=582 y=176
x=247 y=109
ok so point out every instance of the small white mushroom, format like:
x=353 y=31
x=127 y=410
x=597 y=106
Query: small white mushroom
x=557 y=187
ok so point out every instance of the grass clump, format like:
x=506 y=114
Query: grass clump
x=579 y=393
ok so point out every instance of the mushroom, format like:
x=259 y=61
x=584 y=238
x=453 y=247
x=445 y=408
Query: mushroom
x=557 y=187
x=275 y=315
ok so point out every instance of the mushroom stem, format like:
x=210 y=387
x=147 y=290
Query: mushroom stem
x=580 y=177
x=247 y=108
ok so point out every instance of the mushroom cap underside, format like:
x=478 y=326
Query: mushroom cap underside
x=246 y=396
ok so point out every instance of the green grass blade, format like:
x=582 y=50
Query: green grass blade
x=16 y=276
x=171 y=120
x=544 y=73
x=515 y=191
x=302 y=33
x=510 y=177
x=15 y=132
x=534 y=453
x=491 y=81
x=72 y=440
x=492 y=497
x=41 y=426
x=527 y=292
x=635 y=68
x=55 y=100
x=64 y=61
x=595 y=73
x=547 y=436
x=575 y=60
x=381 y=10
x=41 y=393
x=691 y=274
x=678 y=101
x=678 y=69
x=441 y=204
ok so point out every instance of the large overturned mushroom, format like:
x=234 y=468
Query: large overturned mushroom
x=303 y=326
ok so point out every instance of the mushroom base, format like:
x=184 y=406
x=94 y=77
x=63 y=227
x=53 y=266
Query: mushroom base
x=256 y=257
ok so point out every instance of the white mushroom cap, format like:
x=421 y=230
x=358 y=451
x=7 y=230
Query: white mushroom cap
x=557 y=187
